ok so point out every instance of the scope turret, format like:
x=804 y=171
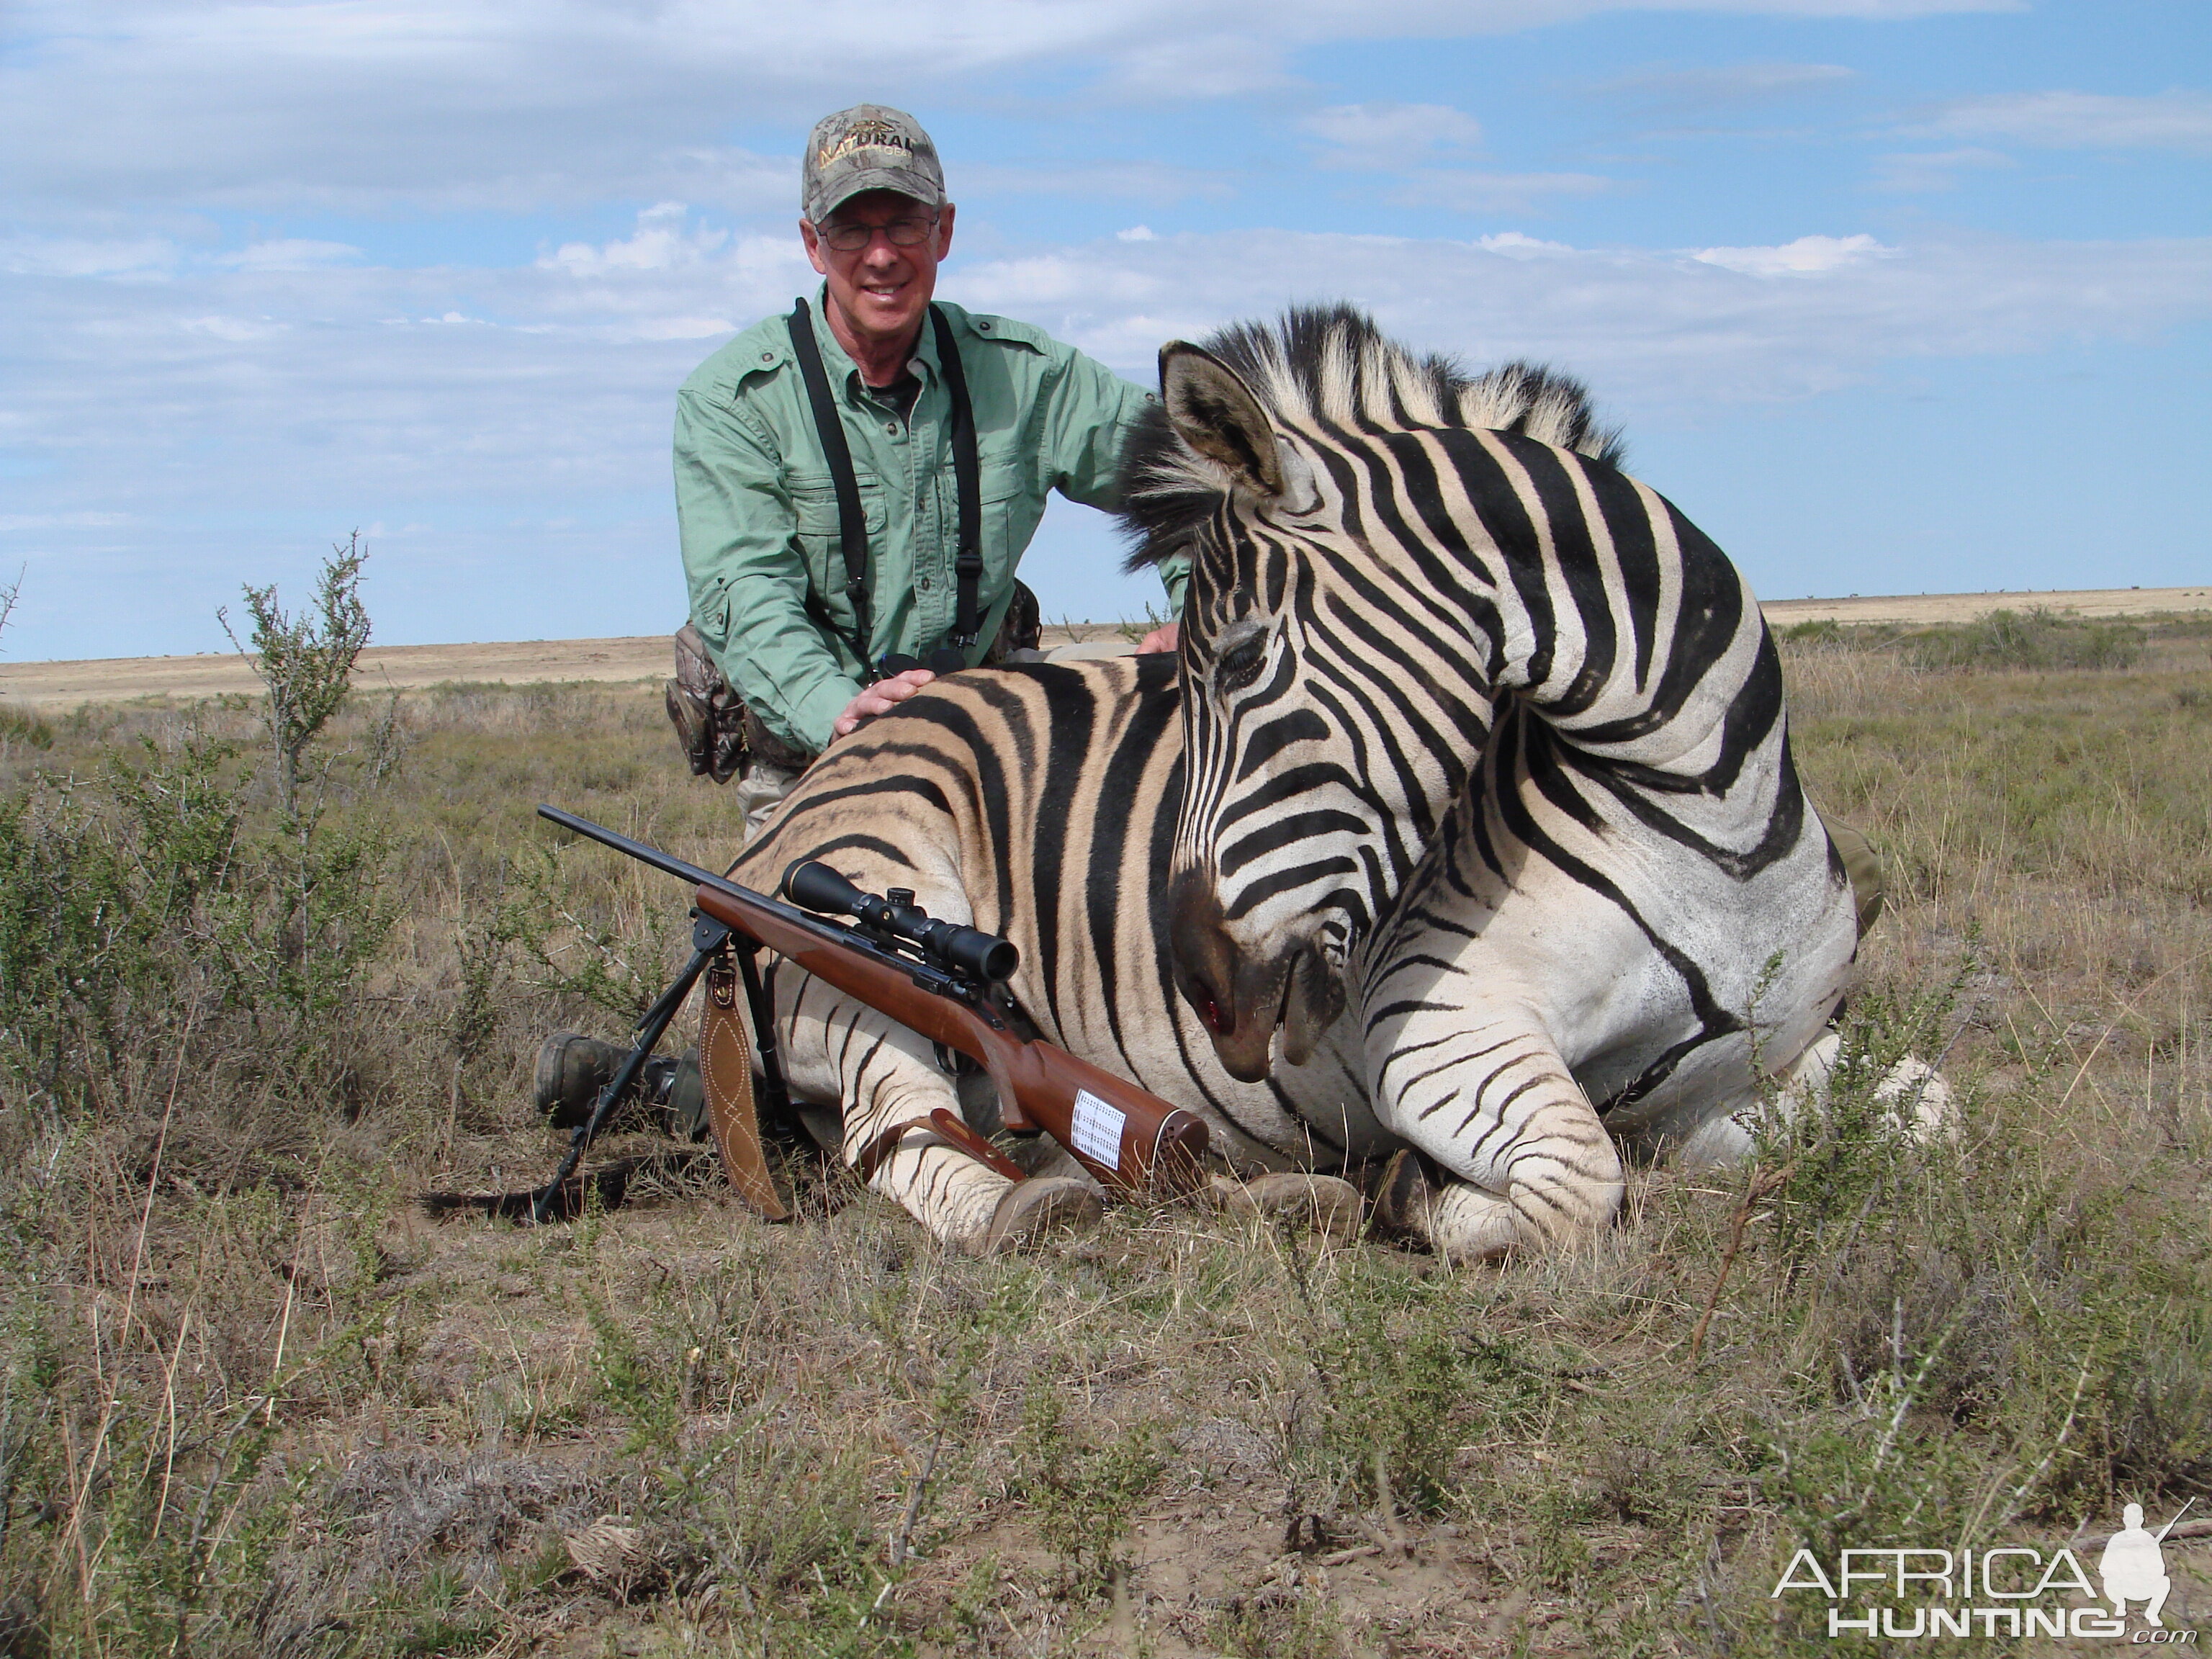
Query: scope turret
x=967 y=951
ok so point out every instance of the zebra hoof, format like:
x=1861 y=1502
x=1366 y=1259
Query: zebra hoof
x=1329 y=1207
x=1402 y=1198
x=1030 y=1209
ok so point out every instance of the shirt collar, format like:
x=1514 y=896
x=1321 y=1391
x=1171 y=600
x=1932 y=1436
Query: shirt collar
x=838 y=364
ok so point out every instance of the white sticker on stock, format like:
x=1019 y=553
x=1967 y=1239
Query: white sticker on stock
x=1098 y=1129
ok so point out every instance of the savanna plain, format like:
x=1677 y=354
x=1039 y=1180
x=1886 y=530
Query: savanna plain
x=253 y=1400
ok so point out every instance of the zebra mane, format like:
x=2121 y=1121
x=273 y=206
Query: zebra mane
x=1331 y=363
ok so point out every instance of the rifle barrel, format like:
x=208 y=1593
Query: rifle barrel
x=636 y=849
x=928 y=975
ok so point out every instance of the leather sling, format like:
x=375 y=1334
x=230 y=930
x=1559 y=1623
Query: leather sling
x=726 y=1073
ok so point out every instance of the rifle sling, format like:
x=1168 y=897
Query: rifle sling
x=726 y=1073
x=946 y=1128
x=852 y=521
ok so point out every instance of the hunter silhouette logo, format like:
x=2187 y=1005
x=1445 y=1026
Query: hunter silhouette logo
x=2133 y=1565
x=2012 y=1591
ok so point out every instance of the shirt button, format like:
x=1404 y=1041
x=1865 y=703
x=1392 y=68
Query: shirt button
x=983 y=325
x=922 y=583
x=891 y=427
x=767 y=357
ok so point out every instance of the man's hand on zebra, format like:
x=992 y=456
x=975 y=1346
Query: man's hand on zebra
x=879 y=699
x=1166 y=637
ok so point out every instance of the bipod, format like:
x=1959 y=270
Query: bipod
x=708 y=938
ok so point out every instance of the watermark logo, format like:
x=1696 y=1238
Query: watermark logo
x=2013 y=1591
x=2133 y=1566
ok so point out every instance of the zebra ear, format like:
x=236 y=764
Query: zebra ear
x=1216 y=414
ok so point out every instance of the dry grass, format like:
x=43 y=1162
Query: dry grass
x=256 y=1403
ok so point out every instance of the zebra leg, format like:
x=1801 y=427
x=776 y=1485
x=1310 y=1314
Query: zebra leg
x=1456 y=1218
x=1912 y=1087
x=841 y=1053
x=1485 y=1094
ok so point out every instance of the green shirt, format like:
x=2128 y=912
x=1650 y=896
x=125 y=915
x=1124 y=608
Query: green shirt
x=758 y=514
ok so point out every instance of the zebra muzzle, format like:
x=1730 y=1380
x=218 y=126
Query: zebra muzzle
x=1243 y=999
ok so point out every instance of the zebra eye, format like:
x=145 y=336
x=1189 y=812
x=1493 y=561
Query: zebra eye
x=1240 y=665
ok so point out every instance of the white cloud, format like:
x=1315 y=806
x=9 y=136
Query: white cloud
x=664 y=241
x=1929 y=171
x=1128 y=180
x=21 y=521
x=2082 y=120
x=480 y=104
x=1808 y=256
x=73 y=256
x=1493 y=193
x=233 y=330
x=290 y=254
x=718 y=176
x=1390 y=137
x=1137 y=233
x=1514 y=245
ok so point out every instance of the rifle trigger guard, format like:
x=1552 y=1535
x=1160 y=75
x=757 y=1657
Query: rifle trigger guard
x=952 y=1063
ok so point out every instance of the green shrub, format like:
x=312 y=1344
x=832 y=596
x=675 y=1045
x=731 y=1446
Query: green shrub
x=2033 y=639
x=1084 y=1495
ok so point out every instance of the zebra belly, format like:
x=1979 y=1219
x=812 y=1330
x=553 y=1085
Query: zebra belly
x=1664 y=981
x=1749 y=973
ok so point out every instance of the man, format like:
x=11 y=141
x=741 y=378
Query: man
x=785 y=652
x=816 y=623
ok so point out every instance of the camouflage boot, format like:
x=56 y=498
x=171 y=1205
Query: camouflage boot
x=573 y=1069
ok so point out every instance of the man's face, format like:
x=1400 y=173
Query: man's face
x=882 y=288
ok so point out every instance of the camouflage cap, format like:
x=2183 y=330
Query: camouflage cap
x=868 y=147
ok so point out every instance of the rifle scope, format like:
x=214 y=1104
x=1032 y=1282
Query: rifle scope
x=967 y=951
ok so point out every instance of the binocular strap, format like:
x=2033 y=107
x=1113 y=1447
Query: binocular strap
x=726 y=1072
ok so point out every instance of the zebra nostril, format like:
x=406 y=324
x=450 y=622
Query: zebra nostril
x=1207 y=1005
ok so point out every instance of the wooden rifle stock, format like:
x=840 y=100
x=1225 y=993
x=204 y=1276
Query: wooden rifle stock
x=1127 y=1136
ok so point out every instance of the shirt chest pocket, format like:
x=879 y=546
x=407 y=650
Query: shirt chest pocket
x=1010 y=514
x=820 y=529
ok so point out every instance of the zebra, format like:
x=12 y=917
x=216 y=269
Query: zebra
x=1627 y=919
x=1040 y=801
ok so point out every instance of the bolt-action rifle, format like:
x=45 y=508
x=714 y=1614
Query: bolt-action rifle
x=942 y=980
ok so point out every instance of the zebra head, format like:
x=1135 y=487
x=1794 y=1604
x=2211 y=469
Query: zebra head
x=1331 y=710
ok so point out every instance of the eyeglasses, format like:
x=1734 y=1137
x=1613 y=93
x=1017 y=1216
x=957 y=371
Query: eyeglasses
x=901 y=232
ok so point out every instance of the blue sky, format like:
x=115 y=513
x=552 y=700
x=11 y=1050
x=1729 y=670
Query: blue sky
x=1891 y=295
